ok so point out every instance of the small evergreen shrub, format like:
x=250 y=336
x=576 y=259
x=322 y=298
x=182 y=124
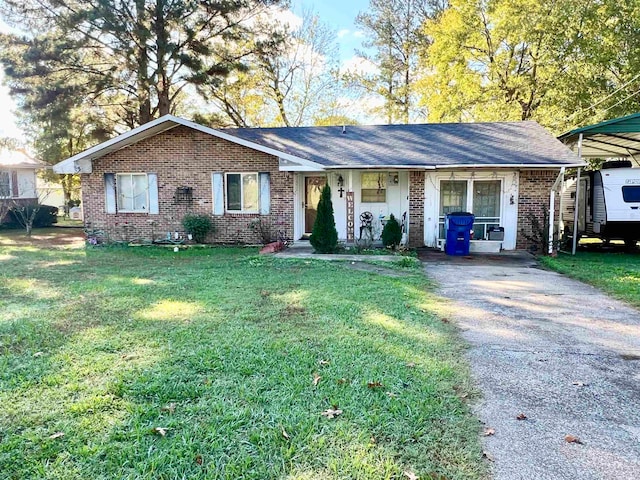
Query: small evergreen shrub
x=391 y=233
x=198 y=226
x=324 y=237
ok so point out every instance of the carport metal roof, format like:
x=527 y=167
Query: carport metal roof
x=616 y=138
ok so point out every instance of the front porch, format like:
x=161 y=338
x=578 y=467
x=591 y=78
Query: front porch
x=363 y=200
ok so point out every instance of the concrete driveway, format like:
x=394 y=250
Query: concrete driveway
x=556 y=350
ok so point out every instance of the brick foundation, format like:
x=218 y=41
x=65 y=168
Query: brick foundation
x=416 y=208
x=183 y=157
x=533 y=203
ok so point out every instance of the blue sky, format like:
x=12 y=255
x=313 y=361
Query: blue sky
x=340 y=15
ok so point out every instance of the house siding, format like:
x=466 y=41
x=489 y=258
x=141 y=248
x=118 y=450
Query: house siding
x=416 y=208
x=184 y=157
x=533 y=202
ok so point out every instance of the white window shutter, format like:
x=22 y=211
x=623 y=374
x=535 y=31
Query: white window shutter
x=110 y=192
x=154 y=205
x=265 y=193
x=218 y=193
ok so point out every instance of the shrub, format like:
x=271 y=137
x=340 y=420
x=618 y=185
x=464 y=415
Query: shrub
x=46 y=216
x=324 y=237
x=198 y=226
x=391 y=233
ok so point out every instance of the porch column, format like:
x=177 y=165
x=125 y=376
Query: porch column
x=416 y=208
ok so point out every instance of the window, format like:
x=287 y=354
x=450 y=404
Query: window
x=5 y=184
x=133 y=192
x=242 y=192
x=453 y=197
x=631 y=194
x=374 y=187
x=484 y=204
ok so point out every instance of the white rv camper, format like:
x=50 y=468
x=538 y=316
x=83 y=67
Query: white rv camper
x=609 y=203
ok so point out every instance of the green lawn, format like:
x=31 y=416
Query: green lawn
x=220 y=348
x=615 y=273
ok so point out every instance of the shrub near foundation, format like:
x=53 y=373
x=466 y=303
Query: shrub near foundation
x=324 y=237
x=391 y=233
x=199 y=226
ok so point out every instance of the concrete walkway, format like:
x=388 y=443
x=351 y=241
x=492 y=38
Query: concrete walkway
x=556 y=350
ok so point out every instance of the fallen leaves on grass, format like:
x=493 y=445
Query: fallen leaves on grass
x=56 y=435
x=410 y=475
x=324 y=362
x=521 y=416
x=573 y=439
x=342 y=381
x=390 y=394
x=331 y=413
x=374 y=385
x=411 y=365
x=161 y=431
x=488 y=432
x=199 y=459
x=316 y=379
x=285 y=434
x=170 y=407
x=38 y=354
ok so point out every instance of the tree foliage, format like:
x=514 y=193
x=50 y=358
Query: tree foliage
x=324 y=237
x=394 y=37
x=544 y=60
x=285 y=85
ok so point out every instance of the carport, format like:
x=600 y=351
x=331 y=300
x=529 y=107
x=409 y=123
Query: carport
x=617 y=138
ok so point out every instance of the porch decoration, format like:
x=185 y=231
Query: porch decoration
x=350 y=216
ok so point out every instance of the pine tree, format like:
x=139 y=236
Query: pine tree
x=324 y=237
x=391 y=233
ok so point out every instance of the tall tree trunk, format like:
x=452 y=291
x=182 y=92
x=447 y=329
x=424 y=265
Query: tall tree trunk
x=142 y=59
x=162 y=40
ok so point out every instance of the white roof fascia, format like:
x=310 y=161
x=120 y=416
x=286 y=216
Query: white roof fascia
x=71 y=165
x=380 y=167
x=514 y=165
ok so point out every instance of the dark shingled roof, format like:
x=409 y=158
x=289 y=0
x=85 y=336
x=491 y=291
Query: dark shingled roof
x=435 y=144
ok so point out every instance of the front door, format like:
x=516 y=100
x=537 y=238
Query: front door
x=312 y=189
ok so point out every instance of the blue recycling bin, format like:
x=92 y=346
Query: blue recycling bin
x=458 y=227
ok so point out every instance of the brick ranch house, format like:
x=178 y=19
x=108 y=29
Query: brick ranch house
x=139 y=185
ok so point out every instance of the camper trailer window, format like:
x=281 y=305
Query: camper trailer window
x=631 y=194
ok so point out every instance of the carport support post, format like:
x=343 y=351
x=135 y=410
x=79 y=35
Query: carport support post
x=576 y=212
x=552 y=210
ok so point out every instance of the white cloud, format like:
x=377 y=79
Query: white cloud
x=344 y=32
x=358 y=65
x=358 y=34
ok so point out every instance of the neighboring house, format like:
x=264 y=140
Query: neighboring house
x=140 y=184
x=18 y=176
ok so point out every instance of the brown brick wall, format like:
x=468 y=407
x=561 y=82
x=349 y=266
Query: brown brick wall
x=183 y=157
x=416 y=208
x=533 y=201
